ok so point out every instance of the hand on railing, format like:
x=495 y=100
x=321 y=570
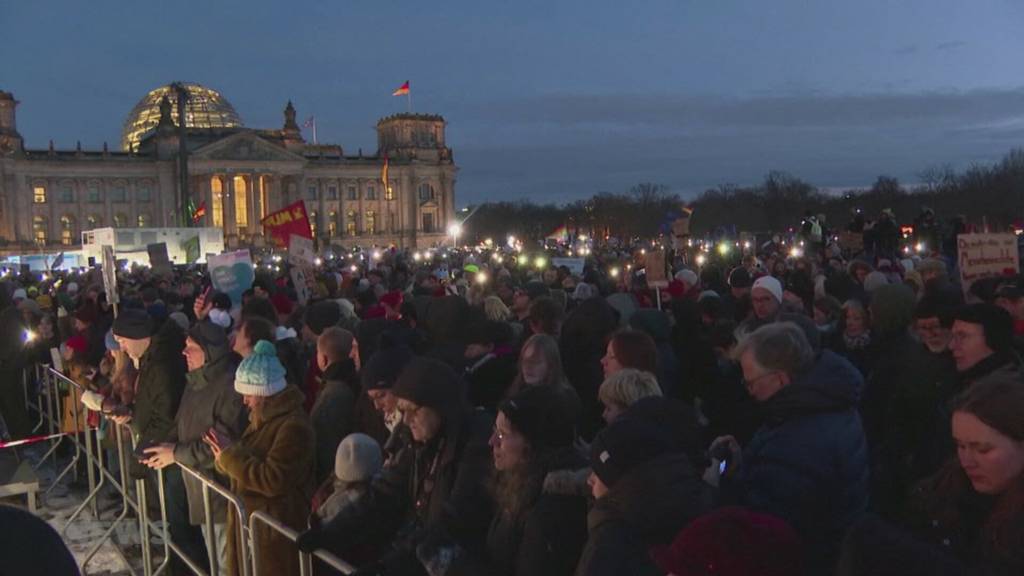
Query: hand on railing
x=159 y=456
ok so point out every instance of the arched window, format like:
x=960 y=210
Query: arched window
x=94 y=221
x=39 y=228
x=67 y=229
x=314 y=219
x=332 y=224
x=217 y=194
x=143 y=220
x=39 y=194
x=426 y=192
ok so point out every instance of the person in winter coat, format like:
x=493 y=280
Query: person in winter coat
x=973 y=506
x=209 y=401
x=622 y=389
x=540 y=364
x=434 y=489
x=655 y=324
x=492 y=362
x=630 y=349
x=333 y=411
x=378 y=378
x=808 y=463
x=271 y=466
x=982 y=345
x=765 y=303
x=646 y=491
x=583 y=343
x=539 y=525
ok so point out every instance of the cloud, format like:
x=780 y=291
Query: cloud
x=565 y=146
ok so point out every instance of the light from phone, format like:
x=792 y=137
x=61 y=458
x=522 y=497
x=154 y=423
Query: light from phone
x=29 y=336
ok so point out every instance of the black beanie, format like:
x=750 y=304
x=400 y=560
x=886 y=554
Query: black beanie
x=433 y=384
x=545 y=415
x=487 y=332
x=625 y=444
x=133 y=324
x=381 y=372
x=323 y=315
x=994 y=320
x=740 y=278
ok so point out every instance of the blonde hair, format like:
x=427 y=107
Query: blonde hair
x=496 y=310
x=627 y=386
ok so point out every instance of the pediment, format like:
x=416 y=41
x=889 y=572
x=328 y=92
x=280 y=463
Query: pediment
x=245 y=146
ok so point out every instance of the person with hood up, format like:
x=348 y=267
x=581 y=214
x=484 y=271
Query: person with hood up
x=539 y=526
x=334 y=410
x=271 y=466
x=209 y=401
x=808 y=463
x=434 y=489
x=646 y=491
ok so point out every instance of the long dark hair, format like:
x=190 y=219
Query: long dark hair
x=999 y=403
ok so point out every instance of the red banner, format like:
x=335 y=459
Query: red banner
x=292 y=219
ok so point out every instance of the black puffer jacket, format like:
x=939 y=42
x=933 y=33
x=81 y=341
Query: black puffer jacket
x=543 y=538
x=648 y=506
x=333 y=413
x=158 y=391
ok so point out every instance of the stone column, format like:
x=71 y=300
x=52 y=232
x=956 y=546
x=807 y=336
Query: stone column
x=228 y=186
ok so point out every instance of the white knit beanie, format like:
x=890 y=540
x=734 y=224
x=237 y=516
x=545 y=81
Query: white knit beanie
x=771 y=284
x=261 y=374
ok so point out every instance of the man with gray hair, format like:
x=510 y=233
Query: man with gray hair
x=808 y=463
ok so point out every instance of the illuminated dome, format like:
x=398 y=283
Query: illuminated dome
x=205 y=108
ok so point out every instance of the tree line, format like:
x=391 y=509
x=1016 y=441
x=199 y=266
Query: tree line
x=991 y=193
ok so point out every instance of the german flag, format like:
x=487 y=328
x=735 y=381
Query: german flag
x=199 y=212
x=402 y=90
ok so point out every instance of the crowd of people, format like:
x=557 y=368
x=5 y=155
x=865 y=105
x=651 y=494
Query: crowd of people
x=781 y=414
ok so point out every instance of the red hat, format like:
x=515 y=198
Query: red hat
x=733 y=541
x=78 y=343
x=282 y=304
x=393 y=299
x=677 y=289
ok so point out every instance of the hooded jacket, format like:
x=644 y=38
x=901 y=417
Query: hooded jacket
x=646 y=507
x=158 y=390
x=209 y=401
x=808 y=463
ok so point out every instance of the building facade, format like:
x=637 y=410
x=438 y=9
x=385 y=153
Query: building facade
x=47 y=197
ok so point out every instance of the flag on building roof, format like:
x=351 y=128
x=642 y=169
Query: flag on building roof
x=308 y=123
x=402 y=90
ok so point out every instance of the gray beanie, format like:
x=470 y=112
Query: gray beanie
x=358 y=459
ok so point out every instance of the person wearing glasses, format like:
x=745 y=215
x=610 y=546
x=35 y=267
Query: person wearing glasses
x=808 y=462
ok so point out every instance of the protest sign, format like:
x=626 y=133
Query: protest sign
x=300 y=250
x=986 y=255
x=158 y=258
x=654 y=264
x=291 y=220
x=232 y=273
x=110 y=274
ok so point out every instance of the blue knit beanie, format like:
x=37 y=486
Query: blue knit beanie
x=261 y=374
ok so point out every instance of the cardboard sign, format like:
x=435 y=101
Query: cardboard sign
x=986 y=256
x=575 y=265
x=654 y=263
x=292 y=219
x=191 y=248
x=232 y=273
x=300 y=250
x=110 y=275
x=158 y=258
x=302 y=276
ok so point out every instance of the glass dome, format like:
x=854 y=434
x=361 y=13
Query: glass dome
x=205 y=108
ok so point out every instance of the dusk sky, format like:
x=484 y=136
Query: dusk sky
x=556 y=100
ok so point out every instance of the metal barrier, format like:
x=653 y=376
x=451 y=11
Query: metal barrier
x=305 y=560
x=50 y=404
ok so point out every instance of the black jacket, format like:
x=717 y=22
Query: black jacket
x=488 y=379
x=648 y=506
x=332 y=413
x=545 y=536
x=158 y=390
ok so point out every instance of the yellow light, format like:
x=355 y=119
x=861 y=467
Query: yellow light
x=488 y=242
x=643 y=252
x=417 y=256
x=540 y=262
x=481 y=277
x=496 y=257
x=318 y=261
x=796 y=252
x=614 y=272
x=29 y=335
x=376 y=254
x=919 y=247
x=354 y=268
x=523 y=259
x=701 y=259
x=746 y=245
x=629 y=266
x=723 y=248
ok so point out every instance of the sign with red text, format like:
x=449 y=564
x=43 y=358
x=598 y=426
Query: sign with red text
x=292 y=219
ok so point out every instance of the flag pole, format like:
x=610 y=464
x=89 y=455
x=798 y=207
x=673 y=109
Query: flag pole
x=408 y=100
x=314 y=130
